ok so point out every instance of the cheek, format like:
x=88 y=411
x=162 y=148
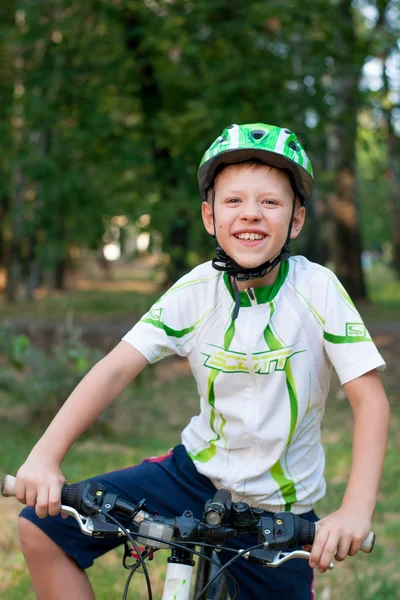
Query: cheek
x=280 y=221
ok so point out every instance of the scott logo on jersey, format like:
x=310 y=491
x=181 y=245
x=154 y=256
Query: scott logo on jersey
x=262 y=363
x=356 y=329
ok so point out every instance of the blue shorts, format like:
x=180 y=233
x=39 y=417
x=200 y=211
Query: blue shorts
x=171 y=484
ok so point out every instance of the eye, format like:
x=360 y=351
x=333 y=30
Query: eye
x=233 y=200
x=270 y=202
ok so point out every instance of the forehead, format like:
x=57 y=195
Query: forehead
x=254 y=173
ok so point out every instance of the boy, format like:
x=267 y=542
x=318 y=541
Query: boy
x=261 y=339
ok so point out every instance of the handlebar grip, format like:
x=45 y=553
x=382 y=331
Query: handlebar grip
x=369 y=543
x=307 y=532
x=8 y=486
x=70 y=494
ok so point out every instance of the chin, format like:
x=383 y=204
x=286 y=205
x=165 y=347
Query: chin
x=249 y=264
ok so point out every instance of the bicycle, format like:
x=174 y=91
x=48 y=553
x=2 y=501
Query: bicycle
x=94 y=509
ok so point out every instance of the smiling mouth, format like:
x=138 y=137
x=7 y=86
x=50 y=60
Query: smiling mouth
x=250 y=237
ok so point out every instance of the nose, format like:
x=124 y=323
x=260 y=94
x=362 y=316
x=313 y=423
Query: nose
x=251 y=211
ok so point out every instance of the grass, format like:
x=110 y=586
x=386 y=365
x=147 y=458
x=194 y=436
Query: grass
x=137 y=429
x=132 y=290
x=80 y=304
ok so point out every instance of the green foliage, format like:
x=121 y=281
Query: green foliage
x=41 y=381
x=373 y=186
x=107 y=107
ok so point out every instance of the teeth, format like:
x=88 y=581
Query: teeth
x=250 y=236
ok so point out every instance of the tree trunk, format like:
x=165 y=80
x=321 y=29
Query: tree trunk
x=15 y=268
x=41 y=141
x=176 y=241
x=60 y=272
x=346 y=239
x=394 y=195
x=393 y=147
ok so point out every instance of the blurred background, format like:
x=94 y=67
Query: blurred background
x=106 y=108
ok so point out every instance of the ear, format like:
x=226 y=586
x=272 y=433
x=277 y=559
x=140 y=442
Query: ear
x=298 y=222
x=208 y=220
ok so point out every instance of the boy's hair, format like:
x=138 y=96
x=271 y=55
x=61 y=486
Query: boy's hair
x=252 y=164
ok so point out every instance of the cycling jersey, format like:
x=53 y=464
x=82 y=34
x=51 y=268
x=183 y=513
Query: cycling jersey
x=262 y=378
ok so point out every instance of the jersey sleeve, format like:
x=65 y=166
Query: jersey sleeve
x=346 y=339
x=171 y=325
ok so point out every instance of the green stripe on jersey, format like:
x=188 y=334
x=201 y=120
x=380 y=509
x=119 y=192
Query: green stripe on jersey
x=178 y=333
x=287 y=486
x=345 y=339
x=209 y=452
x=180 y=286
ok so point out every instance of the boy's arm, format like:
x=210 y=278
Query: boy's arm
x=342 y=532
x=39 y=480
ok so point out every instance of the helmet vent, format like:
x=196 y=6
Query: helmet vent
x=257 y=134
x=293 y=146
x=288 y=132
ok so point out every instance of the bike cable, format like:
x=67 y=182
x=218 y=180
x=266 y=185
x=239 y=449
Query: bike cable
x=132 y=570
x=225 y=566
x=137 y=549
x=182 y=546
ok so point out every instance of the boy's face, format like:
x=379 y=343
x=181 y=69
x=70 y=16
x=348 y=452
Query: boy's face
x=253 y=206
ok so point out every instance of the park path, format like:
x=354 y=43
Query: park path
x=109 y=332
x=119 y=326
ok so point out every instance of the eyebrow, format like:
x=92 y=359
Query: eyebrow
x=240 y=192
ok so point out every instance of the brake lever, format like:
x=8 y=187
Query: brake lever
x=282 y=557
x=88 y=525
x=85 y=523
x=274 y=558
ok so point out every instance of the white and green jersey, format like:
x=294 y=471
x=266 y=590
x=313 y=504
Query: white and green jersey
x=263 y=378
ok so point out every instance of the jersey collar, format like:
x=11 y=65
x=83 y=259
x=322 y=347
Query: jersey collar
x=262 y=294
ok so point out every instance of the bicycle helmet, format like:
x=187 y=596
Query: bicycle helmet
x=269 y=144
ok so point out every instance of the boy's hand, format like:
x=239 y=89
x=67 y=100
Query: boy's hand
x=38 y=484
x=339 y=534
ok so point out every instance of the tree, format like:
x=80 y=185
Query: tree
x=120 y=98
x=73 y=133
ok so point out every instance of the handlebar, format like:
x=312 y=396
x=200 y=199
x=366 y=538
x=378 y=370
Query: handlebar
x=89 y=502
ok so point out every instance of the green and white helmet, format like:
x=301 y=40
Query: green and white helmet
x=273 y=145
